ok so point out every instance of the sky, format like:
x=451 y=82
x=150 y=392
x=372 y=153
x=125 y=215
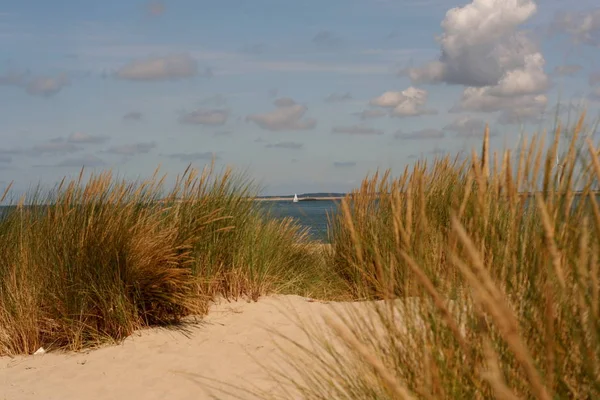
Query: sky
x=302 y=96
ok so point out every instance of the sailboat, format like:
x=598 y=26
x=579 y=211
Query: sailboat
x=295 y=198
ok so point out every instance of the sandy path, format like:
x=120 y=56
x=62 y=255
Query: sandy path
x=222 y=347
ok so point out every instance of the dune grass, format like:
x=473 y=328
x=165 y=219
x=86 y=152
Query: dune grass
x=483 y=272
x=487 y=276
x=90 y=262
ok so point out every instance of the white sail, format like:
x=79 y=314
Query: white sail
x=295 y=198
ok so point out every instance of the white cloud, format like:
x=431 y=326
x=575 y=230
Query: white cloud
x=390 y=99
x=482 y=48
x=288 y=116
x=406 y=103
x=483 y=100
x=215 y=117
x=176 y=66
x=467 y=126
x=530 y=79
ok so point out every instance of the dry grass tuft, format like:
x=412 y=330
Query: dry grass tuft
x=90 y=262
x=489 y=276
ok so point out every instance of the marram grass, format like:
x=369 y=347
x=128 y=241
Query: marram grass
x=486 y=276
x=483 y=274
x=90 y=262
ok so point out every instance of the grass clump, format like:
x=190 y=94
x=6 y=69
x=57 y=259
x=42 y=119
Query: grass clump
x=91 y=262
x=486 y=280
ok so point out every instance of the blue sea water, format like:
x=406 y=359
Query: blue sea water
x=310 y=214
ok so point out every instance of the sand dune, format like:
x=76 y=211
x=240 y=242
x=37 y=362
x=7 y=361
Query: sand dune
x=153 y=363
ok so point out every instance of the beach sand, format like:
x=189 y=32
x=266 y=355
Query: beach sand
x=155 y=363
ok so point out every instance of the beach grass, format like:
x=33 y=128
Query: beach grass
x=484 y=276
x=89 y=262
x=480 y=273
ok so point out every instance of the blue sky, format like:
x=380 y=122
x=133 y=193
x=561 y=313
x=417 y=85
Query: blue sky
x=303 y=95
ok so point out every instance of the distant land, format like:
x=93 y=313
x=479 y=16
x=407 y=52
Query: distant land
x=304 y=197
x=339 y=196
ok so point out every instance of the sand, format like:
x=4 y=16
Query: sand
x=155 y=363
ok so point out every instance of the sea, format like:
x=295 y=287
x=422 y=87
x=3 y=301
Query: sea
x=309 y=214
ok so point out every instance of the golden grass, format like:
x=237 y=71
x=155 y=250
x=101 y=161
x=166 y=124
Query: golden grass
x=90 y=262
x=487 y=271
x=498 y=288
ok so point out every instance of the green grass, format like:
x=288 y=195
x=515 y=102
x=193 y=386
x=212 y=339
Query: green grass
x=90 y=262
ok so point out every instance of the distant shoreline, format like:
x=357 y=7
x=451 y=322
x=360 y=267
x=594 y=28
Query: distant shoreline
x=299 y=199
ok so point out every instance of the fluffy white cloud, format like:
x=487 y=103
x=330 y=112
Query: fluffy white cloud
x=482 y=48
x=176 y=66
x=288 y=116
x=205 y=117
x=529 y=79
x=406 y=103
x=481 y=100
